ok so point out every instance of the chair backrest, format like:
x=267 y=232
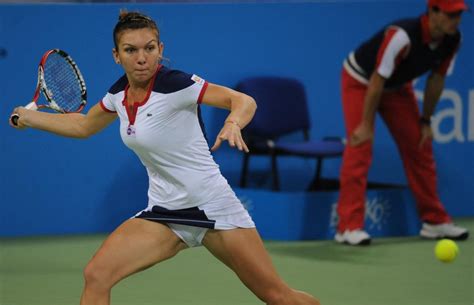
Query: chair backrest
x=281 y=106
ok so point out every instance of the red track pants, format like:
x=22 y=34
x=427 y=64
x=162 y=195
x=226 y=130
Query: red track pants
x=400 y=112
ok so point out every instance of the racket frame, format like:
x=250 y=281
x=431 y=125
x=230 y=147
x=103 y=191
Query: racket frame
x=41 y=87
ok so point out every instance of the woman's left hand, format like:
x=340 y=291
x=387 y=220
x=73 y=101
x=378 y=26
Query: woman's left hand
x=230 y=132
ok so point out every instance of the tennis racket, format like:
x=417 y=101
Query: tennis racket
x=61 y=83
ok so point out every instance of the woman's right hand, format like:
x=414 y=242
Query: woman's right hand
x=19 y=111
x=361 y=134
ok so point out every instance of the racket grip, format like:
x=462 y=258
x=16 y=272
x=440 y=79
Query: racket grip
x=14 y=119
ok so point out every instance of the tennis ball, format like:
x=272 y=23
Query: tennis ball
x=446 y=250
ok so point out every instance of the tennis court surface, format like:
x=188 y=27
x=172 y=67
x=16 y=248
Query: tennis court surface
x=392 y=271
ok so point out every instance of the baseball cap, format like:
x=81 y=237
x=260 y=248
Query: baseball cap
x=449 y=6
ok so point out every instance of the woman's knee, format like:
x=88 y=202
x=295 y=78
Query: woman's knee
x=276 y=295
x=97 y=276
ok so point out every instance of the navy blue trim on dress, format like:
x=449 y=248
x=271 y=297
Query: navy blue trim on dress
x=169 y=81
x=119 y=85
x=190 y=216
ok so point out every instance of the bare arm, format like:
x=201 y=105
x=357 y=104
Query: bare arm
x=433 y=89
x=242 y=109
x=73 y=125
x=364 y=131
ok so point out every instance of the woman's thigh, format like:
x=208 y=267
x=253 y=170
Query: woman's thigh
x=135 y=245
x=243 y=251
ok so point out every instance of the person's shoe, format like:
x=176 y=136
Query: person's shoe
x=444 y=230
x=354 y=238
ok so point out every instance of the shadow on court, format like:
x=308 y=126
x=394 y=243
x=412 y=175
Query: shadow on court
x=381 y=249
x=333 y=252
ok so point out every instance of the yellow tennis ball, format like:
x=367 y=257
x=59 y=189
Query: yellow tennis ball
x=446 y=250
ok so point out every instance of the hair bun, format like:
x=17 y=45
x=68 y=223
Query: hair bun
x=126 y=16
x=123 y=14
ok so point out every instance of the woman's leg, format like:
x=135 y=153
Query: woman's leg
x=135 y=245
x=242 y=250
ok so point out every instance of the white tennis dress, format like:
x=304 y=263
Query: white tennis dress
x=186 y=186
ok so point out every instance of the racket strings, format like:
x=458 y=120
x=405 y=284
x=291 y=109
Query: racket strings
x=62 y=84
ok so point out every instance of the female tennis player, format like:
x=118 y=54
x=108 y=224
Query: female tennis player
x=189 y=202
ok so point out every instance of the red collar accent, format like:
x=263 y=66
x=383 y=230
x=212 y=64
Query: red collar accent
x=425 y=30
x=132 y=111
x=150 y=87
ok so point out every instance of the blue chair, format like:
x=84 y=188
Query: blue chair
x=282 y=110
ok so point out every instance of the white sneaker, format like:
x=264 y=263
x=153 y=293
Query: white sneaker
x=354 y=238
x=444 y=230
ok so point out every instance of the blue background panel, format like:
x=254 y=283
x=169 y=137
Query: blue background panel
x=58 y=185
x=309 y=216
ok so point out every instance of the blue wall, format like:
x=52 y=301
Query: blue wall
x=51 y=184
x=310 y=216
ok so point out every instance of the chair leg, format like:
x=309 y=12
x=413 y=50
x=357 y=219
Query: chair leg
x=275 y=180
x=314 y=185
x=243 y=173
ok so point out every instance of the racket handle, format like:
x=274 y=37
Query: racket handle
x=14 y=118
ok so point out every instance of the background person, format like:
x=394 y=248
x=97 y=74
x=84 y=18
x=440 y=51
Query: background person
x=377 y=77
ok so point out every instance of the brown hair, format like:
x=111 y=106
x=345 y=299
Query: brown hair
x=131 y=21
